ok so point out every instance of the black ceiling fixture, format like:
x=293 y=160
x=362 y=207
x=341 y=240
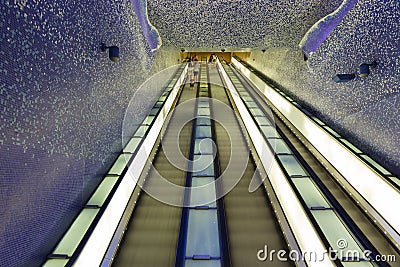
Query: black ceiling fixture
x=113 y=52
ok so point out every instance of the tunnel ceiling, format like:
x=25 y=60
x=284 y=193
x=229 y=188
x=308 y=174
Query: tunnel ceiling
x=235 y=24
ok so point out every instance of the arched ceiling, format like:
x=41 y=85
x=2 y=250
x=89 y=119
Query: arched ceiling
x=235 y=24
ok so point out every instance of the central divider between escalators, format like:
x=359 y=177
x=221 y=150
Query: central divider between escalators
x=203 y=233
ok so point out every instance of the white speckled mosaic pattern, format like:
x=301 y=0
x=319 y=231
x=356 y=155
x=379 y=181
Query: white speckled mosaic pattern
x=235 y=24
x=366 y=111
x=62 y=103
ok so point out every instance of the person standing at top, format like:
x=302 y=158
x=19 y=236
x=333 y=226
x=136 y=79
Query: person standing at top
x=190 y=74
x=213 y=59
x=196 y=70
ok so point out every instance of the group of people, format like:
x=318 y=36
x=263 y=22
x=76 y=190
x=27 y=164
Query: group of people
x=194 y=68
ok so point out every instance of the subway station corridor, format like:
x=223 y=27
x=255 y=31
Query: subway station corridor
x=199 y=133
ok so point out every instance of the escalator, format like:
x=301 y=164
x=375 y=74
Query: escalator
x=363 y=229
x=251 y=221
x=161 y=235
x=151 y=238
x=152 y=233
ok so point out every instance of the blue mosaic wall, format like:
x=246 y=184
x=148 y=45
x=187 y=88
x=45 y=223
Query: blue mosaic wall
x=366 y=111
x=62 y=103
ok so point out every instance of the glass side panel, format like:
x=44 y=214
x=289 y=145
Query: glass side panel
x=148 y=120
x=269 y=131
x=310 y=193
x=56 y=263
x=262 y=121
x=102 y=191
x=334 y=230
x=318 y=120
x=291 y=165
x=132 y=145
x=141 y=131
x=202 y=236
x=158 y=104
x=376 y=165
x=296 y=104
x=203 y=112
x=202 y=196
x=202 y=263
x=335 y=134
x=153 y=111
x=279 y=146
x=203 y=165
x=351 y=146
x=203 y=131
x=203 y=146
x=119 y=164
x=75 y=233
x=395 y=180
x=162 y=98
